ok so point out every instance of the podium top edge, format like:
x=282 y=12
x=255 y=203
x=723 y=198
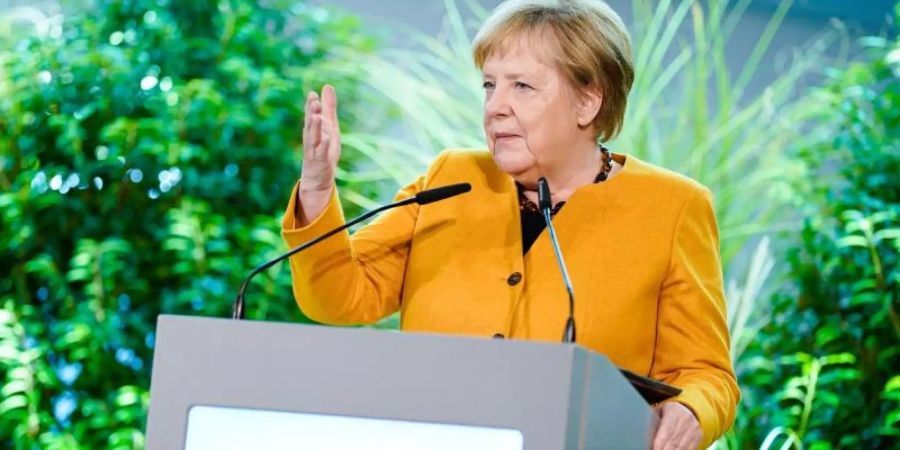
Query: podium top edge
x=163 y=320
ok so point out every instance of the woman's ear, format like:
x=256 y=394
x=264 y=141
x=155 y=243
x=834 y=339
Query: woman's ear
x=590 y=100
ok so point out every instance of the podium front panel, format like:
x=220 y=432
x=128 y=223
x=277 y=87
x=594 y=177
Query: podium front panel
x=246 y=372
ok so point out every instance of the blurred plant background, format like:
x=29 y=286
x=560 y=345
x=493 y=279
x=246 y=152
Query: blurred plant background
x=147 y=149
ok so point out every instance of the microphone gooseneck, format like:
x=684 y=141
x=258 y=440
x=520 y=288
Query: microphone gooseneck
x=422 y=198
x=545 y=205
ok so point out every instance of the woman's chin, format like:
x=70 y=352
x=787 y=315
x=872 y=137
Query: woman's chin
x=513 y=162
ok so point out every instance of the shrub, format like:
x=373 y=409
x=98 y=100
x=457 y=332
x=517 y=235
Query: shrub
x=825 y=372
x=147 y=149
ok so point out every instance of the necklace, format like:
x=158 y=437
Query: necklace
x=528 y=206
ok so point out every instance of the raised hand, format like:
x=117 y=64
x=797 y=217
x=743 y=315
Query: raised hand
x=321 y=140
x=321 y=153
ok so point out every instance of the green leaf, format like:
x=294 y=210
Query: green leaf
x=11 y=403
x=852 y=215
x=7 y=317
x=820 y=445
x=127 y=396
x=8 y=353
x=76 y=334
x=853 y=241
x=886 y=234
x=827 y=334
x=839 y=358
x=127 y=438
x=866 y=298
x=893 y=384
x=15 y=386
x=864 y=285
x=79 y=275
x=891 y=420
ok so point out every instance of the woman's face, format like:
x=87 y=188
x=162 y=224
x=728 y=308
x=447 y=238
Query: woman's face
x=531 y=112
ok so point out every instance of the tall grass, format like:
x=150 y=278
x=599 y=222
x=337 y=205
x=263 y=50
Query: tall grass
x=744 y=318
x=435 y=91
x=737 y=144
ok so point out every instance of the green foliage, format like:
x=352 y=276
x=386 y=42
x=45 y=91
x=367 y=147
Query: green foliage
x=813 y=390
x=823 y=373
x=147 y=149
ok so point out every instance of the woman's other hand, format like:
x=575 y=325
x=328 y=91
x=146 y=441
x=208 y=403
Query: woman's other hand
x=678 y=428
x=321 y=152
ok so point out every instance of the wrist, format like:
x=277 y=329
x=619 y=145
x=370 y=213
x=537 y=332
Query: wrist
x=315 y=187
x=689 y=408
x=311 y=201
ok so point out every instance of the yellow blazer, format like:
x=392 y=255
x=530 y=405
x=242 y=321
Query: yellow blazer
x=642 y=251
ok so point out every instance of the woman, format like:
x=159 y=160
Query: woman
x=641 y=243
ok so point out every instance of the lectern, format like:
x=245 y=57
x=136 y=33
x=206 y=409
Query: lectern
x=225 y=384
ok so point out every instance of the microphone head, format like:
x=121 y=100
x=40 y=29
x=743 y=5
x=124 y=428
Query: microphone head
x=440 y=193
x=544 y=201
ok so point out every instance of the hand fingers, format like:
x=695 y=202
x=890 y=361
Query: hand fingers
x=330 y=121
x=314 y=137
x=666 y=430
x=312 y=113
x=321 y=134
x=323 y=145
x=329 y=103
x=687 y=436
x=663 y=433
x=329 y=111
x=677 y=429
x=312 y=107
x=306 y=109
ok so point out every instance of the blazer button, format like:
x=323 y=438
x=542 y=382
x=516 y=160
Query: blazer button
x=499 y=336
x=514 y=279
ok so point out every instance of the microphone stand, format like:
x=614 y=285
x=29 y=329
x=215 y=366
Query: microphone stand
x=238 y=310
x=422 y=198
x=544 y=204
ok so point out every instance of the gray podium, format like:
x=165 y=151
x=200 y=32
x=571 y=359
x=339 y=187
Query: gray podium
x=218 y=381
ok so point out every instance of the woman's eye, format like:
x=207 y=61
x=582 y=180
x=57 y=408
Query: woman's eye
x=521 y=85
x=488 y=85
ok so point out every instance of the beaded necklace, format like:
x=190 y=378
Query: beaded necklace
x=528 y=206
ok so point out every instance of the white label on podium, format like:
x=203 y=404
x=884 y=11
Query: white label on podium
x=221 y=428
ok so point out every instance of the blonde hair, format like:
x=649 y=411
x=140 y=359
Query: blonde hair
x=589 y=44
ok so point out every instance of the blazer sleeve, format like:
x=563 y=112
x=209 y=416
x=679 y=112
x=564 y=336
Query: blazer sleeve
x=354 y=279
x=693 y=344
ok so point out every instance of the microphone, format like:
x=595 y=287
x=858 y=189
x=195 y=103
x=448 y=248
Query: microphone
x=422 y=198
x=545 y=206
x=440 y=193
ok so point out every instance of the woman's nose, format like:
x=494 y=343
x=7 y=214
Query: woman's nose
x=496 y=104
